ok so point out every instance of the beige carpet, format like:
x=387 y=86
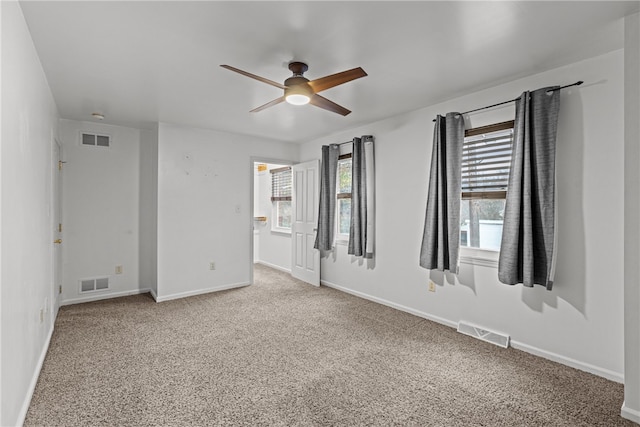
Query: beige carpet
x=284 y=353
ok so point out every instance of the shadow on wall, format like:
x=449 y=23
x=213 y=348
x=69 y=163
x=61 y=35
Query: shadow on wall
x=333 y=256
x=371 y=262
x=465 y=277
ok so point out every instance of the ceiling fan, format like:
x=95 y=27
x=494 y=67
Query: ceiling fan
x=298 y=90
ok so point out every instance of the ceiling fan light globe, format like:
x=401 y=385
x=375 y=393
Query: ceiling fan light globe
x=297 y=99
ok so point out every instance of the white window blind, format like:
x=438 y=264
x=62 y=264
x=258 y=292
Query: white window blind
x=486 y=160
x=281 y=184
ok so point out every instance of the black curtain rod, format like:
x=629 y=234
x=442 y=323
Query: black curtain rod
x=342 y=143
x=578 y=83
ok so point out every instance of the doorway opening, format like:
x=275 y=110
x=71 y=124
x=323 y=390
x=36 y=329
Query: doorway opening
x=271 y=214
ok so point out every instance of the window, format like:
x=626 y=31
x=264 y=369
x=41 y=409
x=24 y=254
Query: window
x=281 y=199
x=343 y=190
x=486 y=159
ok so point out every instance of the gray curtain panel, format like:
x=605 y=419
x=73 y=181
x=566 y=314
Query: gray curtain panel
x=362 y=185
x=441 y=238
x=526 y=252
x=327 y=212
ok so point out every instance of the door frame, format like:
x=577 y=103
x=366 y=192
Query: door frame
x=252 y=161
x=56 y=219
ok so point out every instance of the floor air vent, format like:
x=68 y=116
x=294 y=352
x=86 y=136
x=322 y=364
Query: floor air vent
x=97 y=284
x=493 y=337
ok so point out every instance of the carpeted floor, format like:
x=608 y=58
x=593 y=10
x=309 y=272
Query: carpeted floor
x=285 y=353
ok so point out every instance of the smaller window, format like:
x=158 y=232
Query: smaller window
x=486 y=161
x=281 y=199
x=343 y=190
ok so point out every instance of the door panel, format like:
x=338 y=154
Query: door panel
x=305 y=264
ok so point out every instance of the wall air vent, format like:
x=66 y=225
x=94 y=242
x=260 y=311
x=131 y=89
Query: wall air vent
x=493 y=337
x=95 y=140
x=94 y=284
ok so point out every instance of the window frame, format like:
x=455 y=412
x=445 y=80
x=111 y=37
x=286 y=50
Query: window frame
x=341 y=238
x=475 y=255
x=275 y=202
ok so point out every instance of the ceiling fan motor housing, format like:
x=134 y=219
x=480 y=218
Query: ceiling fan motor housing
x=298 y=86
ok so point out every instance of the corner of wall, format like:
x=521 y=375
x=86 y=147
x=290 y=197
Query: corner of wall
x=631 y=407
x=34 y=378
x=148 y=213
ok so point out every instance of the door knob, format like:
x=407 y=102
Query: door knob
x=57 y=241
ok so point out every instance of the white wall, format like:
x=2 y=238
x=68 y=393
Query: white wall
x=580 y=322
x=149 y=210
x=29 y=125
x=256 y=212
x=274 y=247
x=204 y=199
x=101 y=200
x=631 y=408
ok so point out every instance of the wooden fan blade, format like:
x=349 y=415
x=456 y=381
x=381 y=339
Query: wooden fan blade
x=268 y=104
x=253 y=76
x=324 y=83
x=324 y=103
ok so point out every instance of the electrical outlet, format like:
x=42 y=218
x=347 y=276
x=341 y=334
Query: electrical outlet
x=432 y=286
x=118 y=269
x=60 y=289
x=212 y=265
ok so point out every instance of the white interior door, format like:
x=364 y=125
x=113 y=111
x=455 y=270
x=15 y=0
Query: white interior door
x=305 y=262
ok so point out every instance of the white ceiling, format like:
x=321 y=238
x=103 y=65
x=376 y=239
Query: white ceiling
x=143 y=62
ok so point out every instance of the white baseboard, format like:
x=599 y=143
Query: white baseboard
x=391 y=304
x=103 y=296
x=601 y=372
x=154 y=295
x=199 y=292
x=630 y=414
x=34 y=379
x=275 y=267
x=611 y=375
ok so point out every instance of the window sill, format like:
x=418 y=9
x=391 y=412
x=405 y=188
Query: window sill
x=283 y=231
x=342 y=239
x=481 y=257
